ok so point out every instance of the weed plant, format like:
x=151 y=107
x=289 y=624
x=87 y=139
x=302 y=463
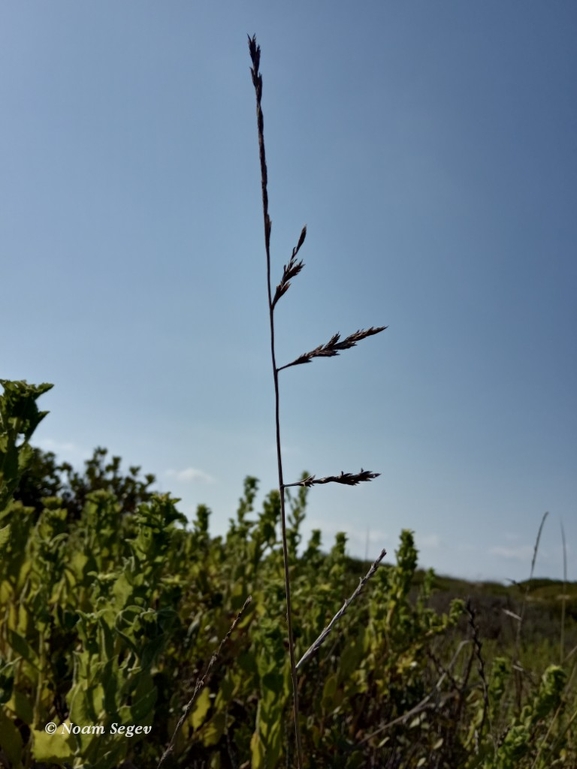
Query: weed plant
x=328 y=350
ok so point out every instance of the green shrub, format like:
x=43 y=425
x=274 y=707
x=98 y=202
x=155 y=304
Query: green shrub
x=110 y=618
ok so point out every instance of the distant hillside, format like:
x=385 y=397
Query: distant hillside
x=544 y=605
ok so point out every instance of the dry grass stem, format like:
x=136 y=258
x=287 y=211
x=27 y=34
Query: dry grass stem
x=536 y=548
x=201 y=682
x=478 y=648
x=330 y=349
x=347 y=479
x=334 y=346
x=528 y=587
x=564 y=596
x=314 y=647
x=254 y=51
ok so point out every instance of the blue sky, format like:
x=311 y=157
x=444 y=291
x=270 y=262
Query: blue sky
x=431 y=149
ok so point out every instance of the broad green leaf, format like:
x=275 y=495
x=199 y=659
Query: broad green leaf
x=257 y=752
x=6 y=681
x=273 y=682
x=21 y=705
x=329 y=691
x=10 y=740
x=141 y=710
x=22 y=647
x=123 y=591
x=80 y=707
x=4 y=535
x=200 y=708
x=95 y=698
x=214 y=729
x=227 y=687
x=52 y=748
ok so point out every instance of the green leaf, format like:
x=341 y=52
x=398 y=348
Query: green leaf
x=329 y=691
x=225 y=692
x=122 y=590
x=52 y=748
x=6 y=681
x=142 y=709
x=214 y=729
x=201 y=708
x=80 y=705
x=4 y=535
x=10 y=740
x=20 y=705
x=257 y=752
x=273 y=682
x=22 y=648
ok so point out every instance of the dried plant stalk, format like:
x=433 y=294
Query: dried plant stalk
x=254 y=51
x=201 y=682
x=478 y=650
x=314 y=647
x=333 y=347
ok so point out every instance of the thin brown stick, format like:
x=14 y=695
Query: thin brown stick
x=314 y=647
x=563 y=597
x=528 y=586
x=478 y=649
x=201 y=682
x=517 y=661
x=254 y=50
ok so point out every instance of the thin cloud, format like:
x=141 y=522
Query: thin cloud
x=520 y=553
x=69 y=449
x=190 y=475
x=428 y=541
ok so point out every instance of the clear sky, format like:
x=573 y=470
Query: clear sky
x=431 y=149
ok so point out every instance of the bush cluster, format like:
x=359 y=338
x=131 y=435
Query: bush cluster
x=110 y=616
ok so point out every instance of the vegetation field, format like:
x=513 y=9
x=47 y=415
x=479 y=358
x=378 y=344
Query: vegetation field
x=127 y=638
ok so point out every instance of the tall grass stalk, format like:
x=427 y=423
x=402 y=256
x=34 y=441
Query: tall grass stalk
x=517 y=665
x=563 y=597
x=330 y=349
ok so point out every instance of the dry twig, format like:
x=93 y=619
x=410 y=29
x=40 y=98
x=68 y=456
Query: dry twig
x=201 y=682
x=313 y=648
